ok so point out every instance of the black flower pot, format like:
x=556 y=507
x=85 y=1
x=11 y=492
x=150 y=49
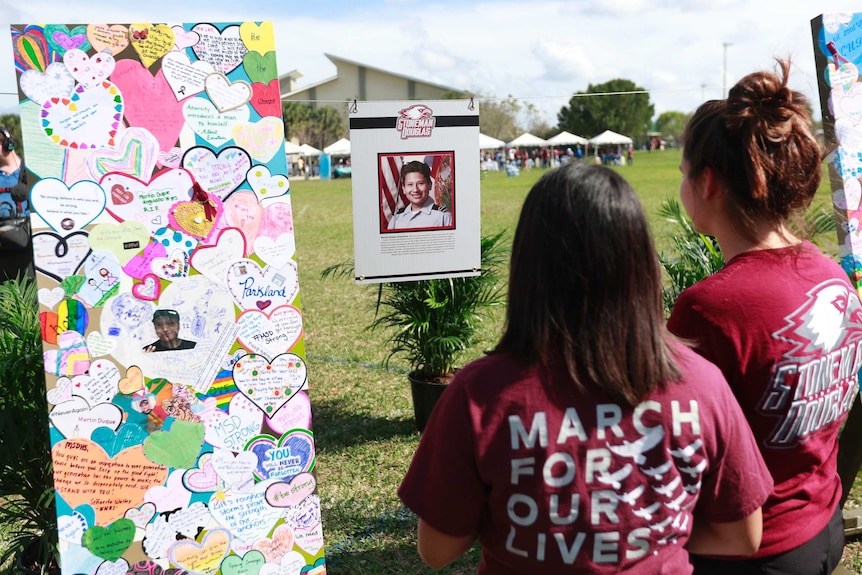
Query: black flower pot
x=425 y=396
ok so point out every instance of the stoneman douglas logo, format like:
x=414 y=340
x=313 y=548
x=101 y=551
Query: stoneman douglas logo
x=416 y=122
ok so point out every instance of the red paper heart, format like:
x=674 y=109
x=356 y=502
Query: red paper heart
x=266 y=99
x=149 y=101
x=263 y=304
x=49 y=321
x=120 y=195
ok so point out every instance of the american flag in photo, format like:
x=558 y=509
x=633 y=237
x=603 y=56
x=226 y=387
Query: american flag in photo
x=393 y=199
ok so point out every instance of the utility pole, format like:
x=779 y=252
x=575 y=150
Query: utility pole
x=724 y=71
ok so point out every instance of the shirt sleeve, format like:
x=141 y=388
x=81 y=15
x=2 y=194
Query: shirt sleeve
x=442 y=485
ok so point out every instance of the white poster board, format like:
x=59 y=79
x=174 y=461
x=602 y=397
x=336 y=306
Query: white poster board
x=415 y=190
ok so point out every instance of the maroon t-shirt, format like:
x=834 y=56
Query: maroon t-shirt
x=552 y=479
x=785 y=328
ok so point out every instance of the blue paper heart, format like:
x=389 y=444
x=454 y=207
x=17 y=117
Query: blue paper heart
x=128 y=435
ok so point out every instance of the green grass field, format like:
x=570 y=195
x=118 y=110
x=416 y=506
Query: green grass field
x=363 y=419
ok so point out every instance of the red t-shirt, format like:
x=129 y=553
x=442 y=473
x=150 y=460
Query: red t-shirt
x=785 y=328
x=553 y=480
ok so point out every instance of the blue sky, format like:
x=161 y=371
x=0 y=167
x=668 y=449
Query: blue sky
x=539 y=51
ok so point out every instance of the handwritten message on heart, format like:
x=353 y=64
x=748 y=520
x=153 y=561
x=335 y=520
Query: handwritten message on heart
x=113 y=39
x=258 y=37
x=214 y=261
x=270 y=333
x=248 y=564
x=135 y=200
x=184 y=39
x=232 y=510
x=203 y=478
x=75 y=418
x=99 y=385
x=232 y=430
x=124 y=240
x=205 y=557
x=266 y=98
x=270 y=385
x=151 y=42
x=262 y=139
x=309 y=540
x=233 y=469
x=134 y=153
x=224 y=49
x=67 y=209
x=50 y=297
x=226 y=95
x=266 y=185
x=99 y=345
x=849 y=198
x=44 y=157
x=109 y=542
x=186 y=78
x=207 y=122
x=276 y=547
x=177 y=447
x=150 y=102
x=253 y=288
x=221 y=173
x=282 y=494
x=292 y=563
x=295 y=414
x=260 y=67
x=125 y=478
x=294 y=454
x=88 y=118
x=275 y=252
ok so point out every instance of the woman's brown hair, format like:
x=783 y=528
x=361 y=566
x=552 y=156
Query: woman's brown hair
x=585 y=285
x=760 y=144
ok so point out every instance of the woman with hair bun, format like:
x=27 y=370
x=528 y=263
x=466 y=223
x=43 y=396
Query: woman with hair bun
x=781 y=320
x=589 y=440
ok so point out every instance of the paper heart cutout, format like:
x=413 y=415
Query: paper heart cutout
x=133 y=381
x=282 y=494
x=73 y=357
x=67 y=209
x=226 y=95
x=118 y=567
x=296 y=414
x=259 y=38
x=109 y=542
x=270 y=333
x=842 y=76
x=266 y=185
x=62 y=40
x=293 y=454
x=151 y=42
x=233 y=469
x=99 y=384
x=98 y=345
x=223 y=49
x=55 y=82
x=71 y=527
x=291 y=564
x=31 y=49
x=249 y=564
x=61 y=392
x=848 y=135
x=205 y=557
x=266 y=98
x=244 y=212
x=173 y=495
x=149 y=289
x=275 y=252
x=76 y=419
x=87 y=70
x=174 y=239
x=132 y=199
x=104 y=38
x=183 y=39
x=260 y=68
x=142 y=515
x=309 y=540
x=850 y=226
x=249 y=284
x=231 y=509
x=134 y=154
x=201 y=480
x=177 y=447
x=218 y=174
x=172 y=267
x=261 y=139
x=278 y=545
x=232 y=430
x=88 y=118
x=214 y=261
x=72 y=315
x=50 y=297
x=192 y=219
x=59 y=256
x=140 y=266
x=49 y=323
x=150 y=102
x=126 y=436
x=214 y=127
x=186 y=78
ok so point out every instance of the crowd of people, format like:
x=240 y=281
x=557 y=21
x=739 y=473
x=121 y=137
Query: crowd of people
x=597 y=437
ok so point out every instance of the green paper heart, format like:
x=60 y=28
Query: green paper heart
x=250 y=564
x=109 y=542
x=178 y=447
x=61 y=43
x=260 y=68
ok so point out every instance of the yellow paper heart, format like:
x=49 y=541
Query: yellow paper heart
x=133 y=381
x=258 y=38
x=191 y=217
x=151 y=42
x=103 y=37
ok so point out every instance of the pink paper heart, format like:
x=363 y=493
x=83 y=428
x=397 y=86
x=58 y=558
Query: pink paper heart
x=204 y=479
x=89 y=70
x=277 y=546
x=149 y=289
x=170 y=159
x=283 y=494
x=151 y=102
x=140 y=266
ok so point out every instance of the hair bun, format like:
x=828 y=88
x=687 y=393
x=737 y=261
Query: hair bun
x=762 y=102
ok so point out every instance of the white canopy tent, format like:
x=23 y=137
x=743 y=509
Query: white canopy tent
x=489 y=143
x=527 y=140
x=609 y=138
x=307 y=150
x=339 y=148
x=291 y=148
x=567 y=139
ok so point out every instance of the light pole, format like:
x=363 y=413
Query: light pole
x=724 y=71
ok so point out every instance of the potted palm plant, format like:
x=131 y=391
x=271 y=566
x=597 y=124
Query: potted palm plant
x=432 y=322
x=28 y=513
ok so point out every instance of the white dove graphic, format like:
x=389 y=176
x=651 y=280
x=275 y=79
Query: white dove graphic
x=686 y=453
x=668 y=489
x=613 y=479
x=636 y=449
x=696 y=470
x=658 y=471
x=646 y=512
